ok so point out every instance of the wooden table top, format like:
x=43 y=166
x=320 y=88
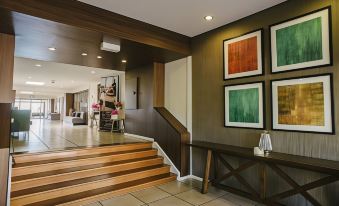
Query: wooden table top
x=301 y=162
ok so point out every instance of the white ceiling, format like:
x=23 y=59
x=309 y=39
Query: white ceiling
x=68 y=78
x=185 y=16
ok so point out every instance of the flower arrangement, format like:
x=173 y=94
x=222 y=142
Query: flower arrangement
x=114 y=112
x=95 y=106
x=118 y=105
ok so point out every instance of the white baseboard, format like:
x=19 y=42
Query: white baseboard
x=9 y=181
x=140 y=137
x=161 y=153
x=190 y=177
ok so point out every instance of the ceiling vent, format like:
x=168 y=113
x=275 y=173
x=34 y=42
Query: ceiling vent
x=110 y=44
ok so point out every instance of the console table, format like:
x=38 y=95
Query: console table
x=271 y=160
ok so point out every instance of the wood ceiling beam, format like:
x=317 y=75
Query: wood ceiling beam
x=75 y=13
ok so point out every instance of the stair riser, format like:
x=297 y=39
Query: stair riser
x=79 y=152
x=28 y=199
x=82 y=162
x=25 y=184
x=118 y=192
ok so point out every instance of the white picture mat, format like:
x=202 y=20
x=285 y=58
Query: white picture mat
x=261 y=106
x=258 y=34
x=325 y=42
x=326 y=80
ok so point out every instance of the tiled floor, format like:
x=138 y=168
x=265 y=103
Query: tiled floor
x=177 y=193
x=53 y=135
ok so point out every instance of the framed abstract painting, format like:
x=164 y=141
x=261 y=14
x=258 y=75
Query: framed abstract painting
x=303 y=104
x=302 y=42
x=243 y=55
x=244 y=105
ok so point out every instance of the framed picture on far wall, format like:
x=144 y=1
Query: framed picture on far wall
x=303 y=104
x=303 y=42
x=243 y=55
x=244 y=105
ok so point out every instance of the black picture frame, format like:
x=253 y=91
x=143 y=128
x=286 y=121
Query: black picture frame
x=332 y=113
x=263 y=85
x=329 y=8
x=262 y=54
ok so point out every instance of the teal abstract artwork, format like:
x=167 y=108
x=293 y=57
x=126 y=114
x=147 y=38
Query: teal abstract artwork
x=299 y=43
x=244 y=105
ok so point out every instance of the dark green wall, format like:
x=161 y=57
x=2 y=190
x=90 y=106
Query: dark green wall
x=208 y=103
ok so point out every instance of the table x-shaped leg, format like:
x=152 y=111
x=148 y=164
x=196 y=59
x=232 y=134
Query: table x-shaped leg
x=297 y=189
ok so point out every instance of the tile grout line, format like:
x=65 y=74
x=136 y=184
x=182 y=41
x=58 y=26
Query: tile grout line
x=41 y=140
x=137 y=198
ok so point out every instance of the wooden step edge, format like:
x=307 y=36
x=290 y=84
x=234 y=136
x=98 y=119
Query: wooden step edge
x=75 y=163
x=79 y=168
x=35 y=182
x=42 y=162
x=60 y=192
x=70 y=183
x=82 y=148
x=121 y=191
x=78 y=152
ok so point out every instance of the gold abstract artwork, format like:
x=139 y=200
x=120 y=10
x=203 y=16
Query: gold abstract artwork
x=301 y=104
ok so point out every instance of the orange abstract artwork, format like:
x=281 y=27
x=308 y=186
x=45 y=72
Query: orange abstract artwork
x=243 y=56
x=301 y=104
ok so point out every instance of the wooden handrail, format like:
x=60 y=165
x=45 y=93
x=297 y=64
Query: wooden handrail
x=184 y=138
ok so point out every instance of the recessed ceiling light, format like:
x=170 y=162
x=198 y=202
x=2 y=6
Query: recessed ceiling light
x=124 y=61
x=84 y=54
x=99 y=57
x=36 y=83
x=38 y=65
x=208 y=18
x=51 y=48
x=26 y=92
x=93 y=72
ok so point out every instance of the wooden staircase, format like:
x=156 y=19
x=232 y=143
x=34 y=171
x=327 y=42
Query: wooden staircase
x=82 y=176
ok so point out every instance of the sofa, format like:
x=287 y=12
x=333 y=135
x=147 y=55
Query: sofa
x=54 y=116
x=77 y=118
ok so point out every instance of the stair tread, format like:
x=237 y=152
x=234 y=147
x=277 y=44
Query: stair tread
x=34 y=163
x=79 y=148
x=59 y=185
x=86 y=194
x=76 y=169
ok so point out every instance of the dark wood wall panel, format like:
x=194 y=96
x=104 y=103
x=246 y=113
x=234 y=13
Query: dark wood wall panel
x=7 y=43
x=208 y=90
x=146 y=121
x=69 y=103
x=75 y=13
x=4 y=155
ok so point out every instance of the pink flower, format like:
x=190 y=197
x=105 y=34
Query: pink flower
x=114 y=112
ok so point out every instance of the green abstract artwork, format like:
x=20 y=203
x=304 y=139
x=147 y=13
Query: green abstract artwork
x=244 y=105
x=299 y=43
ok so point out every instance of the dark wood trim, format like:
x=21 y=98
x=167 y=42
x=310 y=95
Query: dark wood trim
x=158 y=84
x=85 y=16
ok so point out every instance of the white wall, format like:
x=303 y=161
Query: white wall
x=178 y=92
x=177 y=85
